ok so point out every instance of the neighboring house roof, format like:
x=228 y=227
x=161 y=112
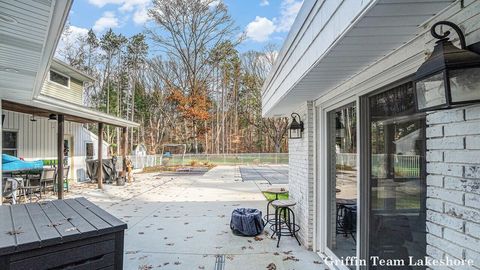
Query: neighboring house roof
x=331 y=41
x=68 y=70
x=29 y=34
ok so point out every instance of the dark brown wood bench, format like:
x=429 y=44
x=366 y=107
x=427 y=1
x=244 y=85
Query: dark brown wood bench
x=61 y=234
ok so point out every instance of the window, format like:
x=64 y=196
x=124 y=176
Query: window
x=89 y=150
x=342 y=181
x=59 y=78
x=397 y=183
x=9 y=143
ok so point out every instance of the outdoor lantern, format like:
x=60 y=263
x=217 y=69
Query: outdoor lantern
x=52 y=117
x=296 y=127
x=450 y=76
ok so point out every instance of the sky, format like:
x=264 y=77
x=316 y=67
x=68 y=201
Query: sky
x=263 y=21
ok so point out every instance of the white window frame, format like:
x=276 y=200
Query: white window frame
x=62 y=74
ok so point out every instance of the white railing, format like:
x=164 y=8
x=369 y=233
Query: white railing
x=140 y=162
x=407 y=166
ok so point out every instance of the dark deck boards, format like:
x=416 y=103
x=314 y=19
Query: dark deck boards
x=34 y=225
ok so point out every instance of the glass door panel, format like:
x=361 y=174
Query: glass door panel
x=342 y=181
x=397 y=176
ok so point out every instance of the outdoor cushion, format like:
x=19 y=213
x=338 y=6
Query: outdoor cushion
x=247 y=222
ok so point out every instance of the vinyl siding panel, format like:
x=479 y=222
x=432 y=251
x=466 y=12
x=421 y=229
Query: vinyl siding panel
x=38 y=140
x=74 y=94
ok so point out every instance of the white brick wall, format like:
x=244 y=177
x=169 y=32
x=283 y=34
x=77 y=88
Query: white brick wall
x=453 y=184
x=301 y=175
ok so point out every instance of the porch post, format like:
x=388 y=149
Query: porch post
x=60 y=155
x=100 y=154
x=124 y=152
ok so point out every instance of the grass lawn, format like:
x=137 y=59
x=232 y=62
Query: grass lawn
x=270 y=196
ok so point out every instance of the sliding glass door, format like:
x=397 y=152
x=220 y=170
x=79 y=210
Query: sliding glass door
x=342 y=181
x=397 y=178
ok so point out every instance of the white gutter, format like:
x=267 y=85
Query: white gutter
x=63 y=107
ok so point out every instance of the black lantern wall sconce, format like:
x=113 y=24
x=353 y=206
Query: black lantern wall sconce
x=296 y=127
x=450 y=76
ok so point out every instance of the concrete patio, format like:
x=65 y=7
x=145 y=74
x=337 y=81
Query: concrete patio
x=182 y=222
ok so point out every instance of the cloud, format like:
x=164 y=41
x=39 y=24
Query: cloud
x=288 y=12
x=264 y=3
x=260 y=29
x=139 y=8
x=108 y=20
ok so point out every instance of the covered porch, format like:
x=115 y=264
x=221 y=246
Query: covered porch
x=46 y=119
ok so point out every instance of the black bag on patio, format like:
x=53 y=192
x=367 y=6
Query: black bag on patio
x=246 y=222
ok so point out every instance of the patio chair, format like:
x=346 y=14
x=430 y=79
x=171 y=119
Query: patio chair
x=47 y=179
x=10 y=189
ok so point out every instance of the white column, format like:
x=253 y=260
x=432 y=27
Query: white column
x=1 y=147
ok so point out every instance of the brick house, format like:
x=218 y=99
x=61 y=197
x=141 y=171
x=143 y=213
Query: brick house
x=372 y=175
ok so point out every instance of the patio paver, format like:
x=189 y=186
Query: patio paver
x=182 y=222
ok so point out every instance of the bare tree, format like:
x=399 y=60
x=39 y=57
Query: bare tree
x=187 y=31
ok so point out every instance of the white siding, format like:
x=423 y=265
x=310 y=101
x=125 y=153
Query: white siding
x=38 y=140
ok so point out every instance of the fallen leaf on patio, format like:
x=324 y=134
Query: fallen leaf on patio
x=188 y=237
x=317 y=262
x=177 y=263
x=145 y=267
x=170 y=244
x=167 y=263
x=160 y=229
x=143 y=257
x=276 y=253
x=221 y=216
x=230 y=257
x=244 y=247
x=287 y=252
x=250 y=247
x=186 y=223
x=257 y=238
x=218 y=247
x=272 y=266
x=203 y=230
x=141 y=233
x=165 y=238
x=132 y=252
x=290 y=258
x=201 y=267
x=155 y=215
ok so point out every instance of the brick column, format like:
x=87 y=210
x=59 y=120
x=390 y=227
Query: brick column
x=453 y=184
x=300 y=161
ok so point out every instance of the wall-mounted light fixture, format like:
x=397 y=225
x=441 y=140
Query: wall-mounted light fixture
x=296 y=127
x=32 y=119
x=450 y=76
x=52 y=117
